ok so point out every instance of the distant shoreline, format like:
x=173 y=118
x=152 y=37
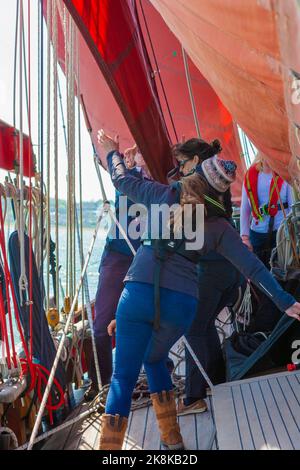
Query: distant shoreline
x=89 y=227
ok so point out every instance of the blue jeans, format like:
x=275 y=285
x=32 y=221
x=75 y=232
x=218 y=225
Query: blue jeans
x=137 y=343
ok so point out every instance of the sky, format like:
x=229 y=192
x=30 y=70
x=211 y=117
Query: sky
x=90 y=186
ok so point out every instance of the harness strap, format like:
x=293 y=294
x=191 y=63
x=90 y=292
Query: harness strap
x=160 y=255
x=157 y=272
x=214 y=202
x=252 y=199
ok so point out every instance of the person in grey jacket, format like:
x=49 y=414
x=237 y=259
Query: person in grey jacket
x=219 y=281
x=137 y=340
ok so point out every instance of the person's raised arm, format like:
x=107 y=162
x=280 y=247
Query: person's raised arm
x=137 y=189
x=231 y=247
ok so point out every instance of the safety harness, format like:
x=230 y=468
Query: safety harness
x=272 y=207
x=165 y=248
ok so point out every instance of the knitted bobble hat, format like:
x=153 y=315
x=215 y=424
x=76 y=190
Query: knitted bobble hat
x=219 y=173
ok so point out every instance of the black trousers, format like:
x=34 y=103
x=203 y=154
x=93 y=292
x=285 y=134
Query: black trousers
x=263 y=245
x=218 y=287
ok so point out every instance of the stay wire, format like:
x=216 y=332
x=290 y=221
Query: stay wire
x=158 y=71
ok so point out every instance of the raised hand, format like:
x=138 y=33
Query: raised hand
x=108 y=143
x=131 y=151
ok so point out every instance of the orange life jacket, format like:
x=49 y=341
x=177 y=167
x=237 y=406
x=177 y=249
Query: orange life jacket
x=251 y=180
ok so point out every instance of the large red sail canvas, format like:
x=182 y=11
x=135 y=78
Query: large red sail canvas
x=248 y=51
x=215 y=122
x=102 y=101
x=112 y=35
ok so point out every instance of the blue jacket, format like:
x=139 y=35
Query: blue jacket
x=178 y=273
x=115 y=241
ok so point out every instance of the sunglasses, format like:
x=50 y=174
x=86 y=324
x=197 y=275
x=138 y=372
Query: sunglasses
x=181 y=163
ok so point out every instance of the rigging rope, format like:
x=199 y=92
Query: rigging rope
x=97 y=168
x=37 y=372
x=23 y=283
x=188 y=346
x=15 y=64
x=25 y=72
x=55 y=130
x=158 y=72
x=79 y=225
x=30 y=188
x=189 y=84
x=80 y=235
x=293 y=244
x=73 y=157
x=49 y=13
x=41 y=152
x=63 y=337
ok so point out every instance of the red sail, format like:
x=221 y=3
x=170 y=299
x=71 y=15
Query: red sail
x=10 y=150
x=107 y=37
x=214 y=119
x=247 y=51
x=112 y=34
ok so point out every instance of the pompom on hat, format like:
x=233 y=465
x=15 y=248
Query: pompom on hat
x=219 y=173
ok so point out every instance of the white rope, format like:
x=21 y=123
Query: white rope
x=74 y=152
x=23 y=283
x=55 y=129
x=80 y=228
x=244 y=313
x=71 y=153
x=187 y=344
x=49 y=13
x=189 y=84
x=62 y=340
x=66 y=42
x=111 y=213
x=285 y=255
x=62 y=13
x=80 y=243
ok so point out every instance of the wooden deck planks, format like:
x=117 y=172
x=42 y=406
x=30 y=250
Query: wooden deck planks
x=135 y=436
x=59 y=440
x=90 y=435
x=197 y=430
x=259 y=413
x=152 y=441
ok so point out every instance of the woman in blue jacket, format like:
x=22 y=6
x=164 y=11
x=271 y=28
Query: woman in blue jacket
x=139 y=338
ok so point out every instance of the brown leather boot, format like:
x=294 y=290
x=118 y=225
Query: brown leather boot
x=166 y=414
x=112 y=433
